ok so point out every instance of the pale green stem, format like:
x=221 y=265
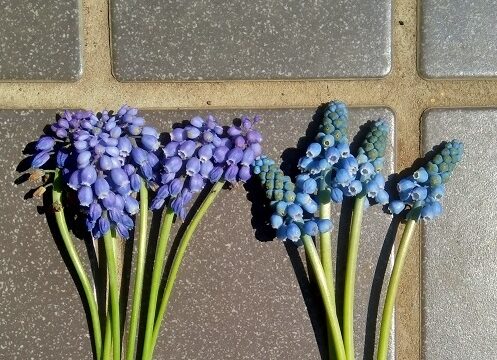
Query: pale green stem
x=326 y=250
x=350 y=275
x=107 y=354
x=393 y=285
x=114 y=295
x=140 y=271
x=178 y=257
x=331 y=317
x=160 y=255
x=78 y=266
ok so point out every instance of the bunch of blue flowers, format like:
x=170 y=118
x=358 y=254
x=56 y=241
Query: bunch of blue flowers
x=425 y=188
x=329 y=172
x=108 y=162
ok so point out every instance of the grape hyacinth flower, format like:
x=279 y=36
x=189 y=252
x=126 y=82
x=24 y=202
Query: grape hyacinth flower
x=105 y=159
x=203 y=152
x=294 y=220
x=102 y=157
x=420 y=194
x=199 y=154
x=425 y=188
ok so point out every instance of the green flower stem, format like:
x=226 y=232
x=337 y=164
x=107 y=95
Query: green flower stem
x=178 y=257
x=114 y=295
x=326 y=249
x=160 y=255
x=393 y=285
x=331 y=317
x=140 y=271
x=78 y=266
x=107 y=354
x=350 y=275
x=325 y=243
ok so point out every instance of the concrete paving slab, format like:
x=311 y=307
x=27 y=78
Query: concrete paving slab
x=457 y=38
x=41 y=40
x=459 y=270
x=217 y=40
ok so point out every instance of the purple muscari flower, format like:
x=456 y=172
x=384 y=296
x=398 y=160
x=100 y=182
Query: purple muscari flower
x=150 y=142
x=45 y=143
x=61 y=158
x=135 y=182
x=124 y=146
x=234 y=156
x=171 y=149
x=139 y=156
x=192 y=132
x=85 y=195
x=40 y=159
x=74 y=181
x=178 y=134
x=186 y=149
x=88 y=175
x=103 y=225
x=192 y=166
x=206 y=168
x=244 y=173
x=119 y=176
x=216 y=174
x=219 y=154
x=131 y=205
x=197 y=121
x=248 y=157
x=231 y=173
x=173 y=164
x=101 y=188
x=94 y=212
x=147 y=171
x=196 y=183
x=204 y=153
x=175 y=187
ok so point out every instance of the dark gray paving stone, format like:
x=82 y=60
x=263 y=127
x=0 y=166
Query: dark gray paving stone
x=238 y=294
x=215 y=40
x=459 y=270
x=457 y=39
x=40 y=40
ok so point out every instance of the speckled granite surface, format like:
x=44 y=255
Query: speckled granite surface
x=459 y=294
x=213 y=40
x=458 y=38
x=238 y=295
x=40 y=40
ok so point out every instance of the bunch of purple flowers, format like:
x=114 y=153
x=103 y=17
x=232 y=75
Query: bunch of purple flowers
x=202 y=151
x=103 y=157
x=105 y=160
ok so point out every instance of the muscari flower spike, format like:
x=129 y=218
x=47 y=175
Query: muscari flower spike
x=329 y=162
x=425 y=188
x=103 y=157
x=201 y=152
x=293 y=206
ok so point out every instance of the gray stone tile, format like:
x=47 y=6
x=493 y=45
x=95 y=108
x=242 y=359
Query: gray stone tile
x=40 y=40
x=459 y=270
x=216 y=40
x=457 y=39
x=238 y=294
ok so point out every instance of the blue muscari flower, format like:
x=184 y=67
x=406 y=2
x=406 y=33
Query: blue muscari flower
x=200 y=152
x=103 y=157
x=425 y=189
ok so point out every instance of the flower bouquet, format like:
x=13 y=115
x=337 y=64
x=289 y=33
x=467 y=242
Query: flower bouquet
x=110 y=170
